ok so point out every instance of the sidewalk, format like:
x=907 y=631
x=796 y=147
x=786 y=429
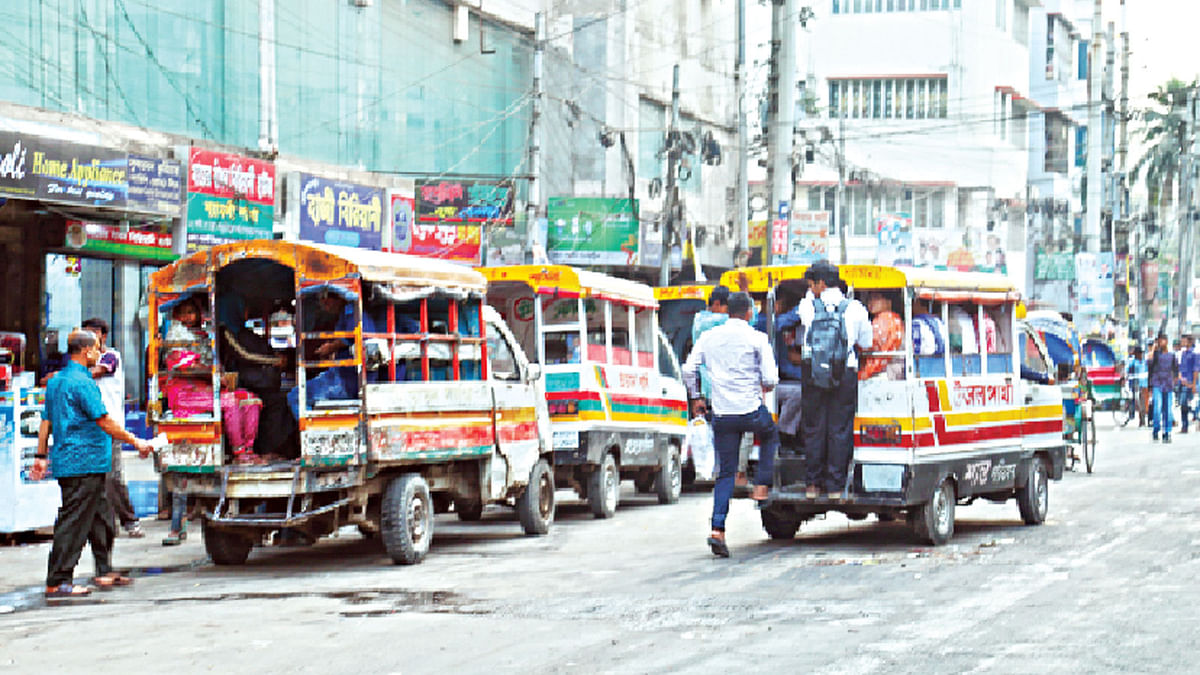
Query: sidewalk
x=23 y=566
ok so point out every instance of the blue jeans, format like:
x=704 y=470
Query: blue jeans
x=1185 y=405
x=727 y=438
x=1161 y=403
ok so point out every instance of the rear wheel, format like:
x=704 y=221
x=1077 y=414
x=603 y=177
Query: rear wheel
x=934 y=520
x=468 y=511
x=779 y=524
x=668 y=483
x=1033 y=500
x=535 y=506
x=407 y=519
x=604 y=488
x=1089 y=443
x=226 y=547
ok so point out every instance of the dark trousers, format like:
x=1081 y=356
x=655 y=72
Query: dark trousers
x=827 y=426
x=1185 y=406
x=118 y=493
x=82 y=518
x=727 y=438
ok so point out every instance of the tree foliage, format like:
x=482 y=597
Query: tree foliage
x=1164 y=127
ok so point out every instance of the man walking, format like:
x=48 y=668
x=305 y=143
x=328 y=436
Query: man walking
x=1187 y=382
x=742 y=368
x=1164 y=371
x=716 y=315
x=109 y=374
x=81 y=459
x=834 y=326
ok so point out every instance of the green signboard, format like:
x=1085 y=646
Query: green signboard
x=1054 y=267
x=592 y=231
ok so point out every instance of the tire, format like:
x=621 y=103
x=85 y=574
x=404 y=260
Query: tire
x=407 y=519
x=645 y=484
x=885 y=517
x=668 y=482
x=1033 y=500
x=1089 y=444
x=1125 y=411
x=779 y=525
x=226 y=547
x=468 y=511
x=856 y=516
x=689 y=474
x=535 y=506
x=604 y=488
x=933 y=522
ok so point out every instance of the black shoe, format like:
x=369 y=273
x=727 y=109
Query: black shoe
x=1166 y=438
x=1154 y=437
x=718 y=547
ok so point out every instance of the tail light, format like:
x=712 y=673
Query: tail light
x=880 y=434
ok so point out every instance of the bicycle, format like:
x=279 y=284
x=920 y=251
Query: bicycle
x=1127 y=406
x=1083 y=436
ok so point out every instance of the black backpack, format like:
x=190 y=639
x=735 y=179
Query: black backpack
x=825 y=344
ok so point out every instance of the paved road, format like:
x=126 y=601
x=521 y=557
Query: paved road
x=1108 y=583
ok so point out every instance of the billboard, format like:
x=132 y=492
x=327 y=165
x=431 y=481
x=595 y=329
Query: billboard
x=592 y=231
x=229 y=197
x=340 y=213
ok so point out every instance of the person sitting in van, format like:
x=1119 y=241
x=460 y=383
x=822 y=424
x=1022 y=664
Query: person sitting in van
x=887 y=329
x=260 y=372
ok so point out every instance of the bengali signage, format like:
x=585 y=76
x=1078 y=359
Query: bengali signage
x=1094 y=283
x=229 y=197
x=107 y=238
x=345 y=214
x=895 y=240
x=457 y=242
x=463 y=201
x=1054 y=266
x=592 y=231
x=155 y=185
x=809 y=237
x=32 y=167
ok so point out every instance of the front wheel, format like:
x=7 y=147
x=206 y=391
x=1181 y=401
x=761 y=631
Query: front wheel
x=407 y=519
x=604 y=488
x=933 y=521
x=535 y=506
x=1089 y=443
x=1033 y=500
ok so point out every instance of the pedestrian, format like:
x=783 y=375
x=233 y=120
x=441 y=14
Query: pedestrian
x=1187 y=382
x=716 y=315
x=834 y=326
x=109 y=374
x=1135 y=374
x=81 y=459
x=1163 y=372
x=742 y=369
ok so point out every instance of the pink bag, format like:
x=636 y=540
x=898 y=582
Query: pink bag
x=188 y=397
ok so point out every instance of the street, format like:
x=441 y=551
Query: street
x=1106 y=584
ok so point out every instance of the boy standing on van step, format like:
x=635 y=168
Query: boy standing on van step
x=742 y=368
x=834 y=326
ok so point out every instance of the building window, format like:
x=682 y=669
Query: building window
x=886 y=98
x=859 y=206
x=1002 y=14
x=880 y=6
x=833 y=97
x=1056 y=145
x=877 y=99
x=1083 y=59
x=888 y=102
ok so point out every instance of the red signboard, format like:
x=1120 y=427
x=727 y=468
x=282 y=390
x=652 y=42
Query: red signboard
x=779 y=236
x=221 y=174
x=447 y=241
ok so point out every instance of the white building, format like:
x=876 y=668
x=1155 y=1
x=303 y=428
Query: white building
x=933 y=101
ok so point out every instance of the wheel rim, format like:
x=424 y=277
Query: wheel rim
x=941 y=510
x=545 y=497
x=676 y=475
x=611 y=485
x=416 y=518
x=1042 y=492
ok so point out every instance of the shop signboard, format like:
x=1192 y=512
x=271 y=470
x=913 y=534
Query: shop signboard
x=344 y=214
x=403 y=213
x=779 y=236
x=110 y=239
x=229 y=197
x=809 y=237
x=33 y=167
x=454 y=241
x=463 y=201
x=895 y=239
x=1054 y=266
x=592 y=231
x=1094 y=283
x=155 y=186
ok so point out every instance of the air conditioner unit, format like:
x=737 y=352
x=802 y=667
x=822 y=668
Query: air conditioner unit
x=462 y=17
x=361 y=3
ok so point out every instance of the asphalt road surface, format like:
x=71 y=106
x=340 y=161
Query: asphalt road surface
x=1108 y=583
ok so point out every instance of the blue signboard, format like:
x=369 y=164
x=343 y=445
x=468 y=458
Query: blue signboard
x=344 y=214
x=155 y=186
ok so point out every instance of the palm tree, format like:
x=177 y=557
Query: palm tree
x=1164 y=128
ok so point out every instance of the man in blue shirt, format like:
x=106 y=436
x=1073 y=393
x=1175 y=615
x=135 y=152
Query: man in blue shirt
x=81 y=458
x=1187 y=380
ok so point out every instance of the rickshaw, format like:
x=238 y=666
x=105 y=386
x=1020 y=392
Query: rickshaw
x=946 y=420
x=424 y=399
x=1079 y=419
x=677 y=306
x=618 y=407
x=1100 y=363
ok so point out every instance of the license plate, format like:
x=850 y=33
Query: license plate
x=883 y=477
x=566 y=439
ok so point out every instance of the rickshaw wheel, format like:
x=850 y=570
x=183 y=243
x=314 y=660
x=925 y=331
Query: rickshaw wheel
x=934 y=520
x=535 y=506
x=1033 y=500
x=1089 y=444
x=407 y=519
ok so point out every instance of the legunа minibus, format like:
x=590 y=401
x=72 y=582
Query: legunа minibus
x=944 y=419
x=404 y=394
x=618 y=407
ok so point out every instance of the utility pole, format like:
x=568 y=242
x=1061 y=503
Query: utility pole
x=267 y=113
x=1133 y=269
x=535 y=137
x=1095 y=137
x=839 y=196
x=1183 y=278
x=739 y=89
x=782 y=109
x=674 y=152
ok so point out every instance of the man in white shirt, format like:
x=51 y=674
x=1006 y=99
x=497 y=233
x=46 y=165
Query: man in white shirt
x=741 y=367
x=109 y=374
x=827 y=415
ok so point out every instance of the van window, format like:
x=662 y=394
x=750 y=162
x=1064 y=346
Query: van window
x=500 y=353
x=964 y=340
x=646 y=336
x=561 y=347
x=996 y=335
x=1031 y=356
x=666 y=360
x=597 y=350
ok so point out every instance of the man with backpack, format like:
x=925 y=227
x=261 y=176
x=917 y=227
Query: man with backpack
x=834 y=326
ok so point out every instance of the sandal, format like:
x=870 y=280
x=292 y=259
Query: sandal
x=68 y=591
x=246 y=457
x=174 y=538
x=110 y=581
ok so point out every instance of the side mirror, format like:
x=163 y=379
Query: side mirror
x=533 y=372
